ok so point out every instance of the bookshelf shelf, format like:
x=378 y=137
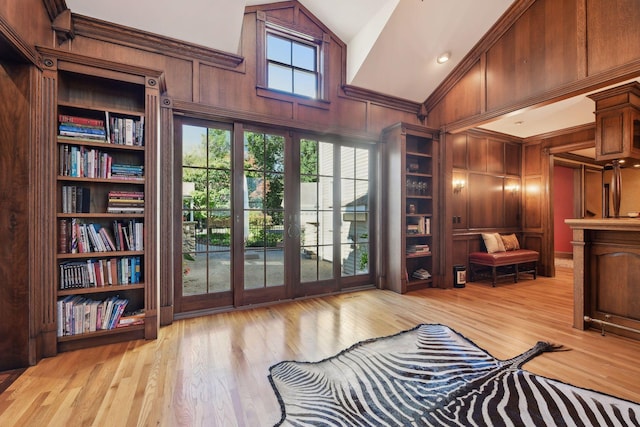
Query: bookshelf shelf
x=99 y=254
x=100 y=333
x=100 y=108
x=100 y=289
x=102 y=215
x=411 y=165
x=102 y=180
x=416 y=154
x=100 y=144
x=421 y=255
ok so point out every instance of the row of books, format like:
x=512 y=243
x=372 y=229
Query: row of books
x=96 y=273
x=114 y=129
x=81 y=127
x=422 y=227
x=125 y=202
x=123 y=171
x=79 y=315
x=83 y=162
x=76 y=199
x=77 y=237
x=418 y=249
x=125 y=131
x=86 y=162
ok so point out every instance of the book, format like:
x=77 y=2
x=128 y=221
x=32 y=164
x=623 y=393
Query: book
x=63 y=236
x=64 y=118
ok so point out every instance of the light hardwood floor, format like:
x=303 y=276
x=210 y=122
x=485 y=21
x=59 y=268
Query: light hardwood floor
x=213 y=370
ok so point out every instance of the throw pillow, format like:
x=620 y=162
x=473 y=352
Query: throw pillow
x=493 y=242
x=510 y=242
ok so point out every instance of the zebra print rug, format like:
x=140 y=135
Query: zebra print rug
x=433 y=376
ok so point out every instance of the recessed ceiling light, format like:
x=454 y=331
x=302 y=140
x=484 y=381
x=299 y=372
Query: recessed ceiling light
x=443 y=58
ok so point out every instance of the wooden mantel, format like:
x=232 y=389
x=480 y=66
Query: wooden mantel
x=606 y=257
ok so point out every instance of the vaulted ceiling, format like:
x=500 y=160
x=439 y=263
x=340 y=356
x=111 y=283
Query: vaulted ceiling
x=392 y=45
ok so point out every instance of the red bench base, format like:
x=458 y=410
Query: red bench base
x=503 y=264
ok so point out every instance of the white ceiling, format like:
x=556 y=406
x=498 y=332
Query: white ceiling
x=392 y=45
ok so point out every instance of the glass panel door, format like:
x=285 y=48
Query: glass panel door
x=355 y=218
x=316 y=211
x=335 y=217
x=206 y=216
x=264 y=215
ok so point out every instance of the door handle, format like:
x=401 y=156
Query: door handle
x=293 y=230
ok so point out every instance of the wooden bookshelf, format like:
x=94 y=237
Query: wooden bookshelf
x=410 y=166
x=104 y=141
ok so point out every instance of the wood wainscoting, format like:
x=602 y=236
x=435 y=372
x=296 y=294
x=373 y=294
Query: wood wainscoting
x=212 y=370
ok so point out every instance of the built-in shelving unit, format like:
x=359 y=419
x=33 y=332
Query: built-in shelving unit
x=104 y=195
x=409 y=206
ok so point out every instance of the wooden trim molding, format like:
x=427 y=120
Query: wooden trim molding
x=382 y=99
x=166 y=46
x=63 y=27
x=54 y=8
x=52 y=57
x=227 y=115
x=15 y=44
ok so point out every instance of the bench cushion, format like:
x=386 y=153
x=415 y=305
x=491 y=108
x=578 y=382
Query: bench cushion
x=498 y=259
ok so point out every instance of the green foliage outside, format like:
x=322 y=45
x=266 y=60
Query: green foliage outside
x=208 y=168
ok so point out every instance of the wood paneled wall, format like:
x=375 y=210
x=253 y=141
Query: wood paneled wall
x=489 y=166
x=201 y=82
x=14 y=215
x=539 y=52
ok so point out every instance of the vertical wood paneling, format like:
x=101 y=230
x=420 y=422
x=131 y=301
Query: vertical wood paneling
x=495 y=156
x=477 y=147
x=613 y=34
x=44 y=176
x=15 y=145
x=533 y=202
x=485 y=201
x=537 y=54
x=512 y=203
x=513 y=158
x=459 y=150
x=166 y=203
x=532 y=159
x=152 y=216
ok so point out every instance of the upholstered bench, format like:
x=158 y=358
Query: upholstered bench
x=503 y=258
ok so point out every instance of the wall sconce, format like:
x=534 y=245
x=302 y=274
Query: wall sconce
x=458 y=185
x=512 y=188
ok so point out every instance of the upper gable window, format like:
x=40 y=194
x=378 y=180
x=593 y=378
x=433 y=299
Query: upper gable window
x=292 y=64
x=292 y=60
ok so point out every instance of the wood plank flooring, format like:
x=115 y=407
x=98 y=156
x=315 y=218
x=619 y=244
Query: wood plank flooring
x=213 y=370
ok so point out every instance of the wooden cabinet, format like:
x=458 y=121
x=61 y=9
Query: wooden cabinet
x=105 y=149
x=618 y=122
x=409 y=206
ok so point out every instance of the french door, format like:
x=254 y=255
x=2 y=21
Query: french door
x=268 y=215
